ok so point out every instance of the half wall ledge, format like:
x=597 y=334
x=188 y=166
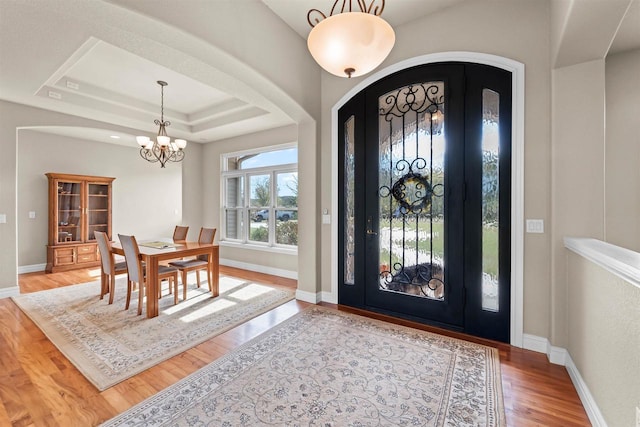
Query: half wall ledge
x=622 y=262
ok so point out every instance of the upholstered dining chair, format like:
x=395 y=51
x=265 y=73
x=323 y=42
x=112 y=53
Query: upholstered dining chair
x=137 y=272
x=197 y=264
x=180 y=233
x=109 y=267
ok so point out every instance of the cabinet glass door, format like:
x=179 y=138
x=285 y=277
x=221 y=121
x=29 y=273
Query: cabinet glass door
x=97 y=210
x=69 y=212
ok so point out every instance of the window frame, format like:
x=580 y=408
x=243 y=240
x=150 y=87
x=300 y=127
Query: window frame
x=244 y=206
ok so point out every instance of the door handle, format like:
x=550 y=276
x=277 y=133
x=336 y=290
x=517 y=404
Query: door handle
x=370 y=231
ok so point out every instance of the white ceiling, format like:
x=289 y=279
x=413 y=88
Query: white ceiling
x=47 y=61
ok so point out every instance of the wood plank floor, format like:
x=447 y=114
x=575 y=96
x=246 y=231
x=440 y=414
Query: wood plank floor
x=40 y=387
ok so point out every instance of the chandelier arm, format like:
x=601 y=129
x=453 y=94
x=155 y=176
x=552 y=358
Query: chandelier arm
x=362 y=5
x=316 y=20
x=378 y=9
x=148 y=155
x=334 y=6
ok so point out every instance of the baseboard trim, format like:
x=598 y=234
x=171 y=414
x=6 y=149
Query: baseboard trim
x=31 y=268
x=260 y=268
x=560 y=356
x=535 y=343
x=13 y=291
x=329 y=297
x=305 y=296
x=589 y=403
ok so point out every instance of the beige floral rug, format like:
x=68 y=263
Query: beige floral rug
x=326 y=368
x=108 y=344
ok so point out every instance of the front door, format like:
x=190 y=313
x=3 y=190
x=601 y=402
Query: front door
x=425 y=183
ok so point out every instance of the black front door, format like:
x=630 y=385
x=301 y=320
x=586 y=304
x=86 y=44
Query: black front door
x=425 y=192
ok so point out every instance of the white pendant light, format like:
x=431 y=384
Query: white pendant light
x=349 y=44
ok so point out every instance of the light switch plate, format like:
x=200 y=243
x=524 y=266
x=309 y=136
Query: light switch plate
x=535 y=226
x=326 y=219
x=32 y=214
x=3 y=218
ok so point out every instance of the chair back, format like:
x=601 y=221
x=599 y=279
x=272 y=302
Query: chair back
x=206 y=236
x=106 y=256
x=180 y=233
x=132 y=258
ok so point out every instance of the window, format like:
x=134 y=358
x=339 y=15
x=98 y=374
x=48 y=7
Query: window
x=260 y=198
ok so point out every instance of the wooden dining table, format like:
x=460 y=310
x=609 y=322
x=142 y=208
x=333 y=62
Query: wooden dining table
x=153 y=254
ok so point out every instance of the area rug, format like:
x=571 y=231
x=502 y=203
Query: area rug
x=108 y=344
x=327 y=368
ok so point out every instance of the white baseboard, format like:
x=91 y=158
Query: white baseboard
x=31 y=268
x=9 y=292
x=329 y=297
x=589 y=403
x=556 y=355
x=260 y=268
x=560 y=356
x=535 y=343
x=305 y=296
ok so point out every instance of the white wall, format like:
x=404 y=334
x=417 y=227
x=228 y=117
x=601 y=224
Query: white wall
x=147 y=199
x=517 y=30
x=622 y=150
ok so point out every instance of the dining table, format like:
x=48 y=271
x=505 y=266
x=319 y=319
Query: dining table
x=153 y=252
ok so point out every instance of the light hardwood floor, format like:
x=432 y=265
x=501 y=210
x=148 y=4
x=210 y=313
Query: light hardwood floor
x=40 y=387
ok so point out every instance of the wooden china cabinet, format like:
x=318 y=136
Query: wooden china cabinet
x=78 y=206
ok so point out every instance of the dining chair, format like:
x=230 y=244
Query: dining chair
x=201 y=262
x=109 y=267
x=137 y=272
x=180 y=233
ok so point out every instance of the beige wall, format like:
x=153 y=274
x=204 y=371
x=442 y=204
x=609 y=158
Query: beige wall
x=211 y=192
x=15 y=117
x=604 y=337
x=518 y=30
x=622 y=154
x=577 y=175
x=147 y=200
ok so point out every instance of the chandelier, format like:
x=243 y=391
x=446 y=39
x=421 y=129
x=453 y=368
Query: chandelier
x=349 y=43
x=162 y=149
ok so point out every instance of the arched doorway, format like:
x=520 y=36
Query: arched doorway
x=424 y=224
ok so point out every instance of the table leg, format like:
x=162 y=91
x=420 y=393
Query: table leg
x=214 y=270
x=152 y=286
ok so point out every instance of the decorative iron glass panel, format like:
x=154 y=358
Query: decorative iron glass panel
x=490 y=199
x=411 y=190
x=349 y=201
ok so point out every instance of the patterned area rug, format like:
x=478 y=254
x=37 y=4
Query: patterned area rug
x=328 y=368
x=108 y=344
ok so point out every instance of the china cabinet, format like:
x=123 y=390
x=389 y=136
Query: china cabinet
x=79 y=205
